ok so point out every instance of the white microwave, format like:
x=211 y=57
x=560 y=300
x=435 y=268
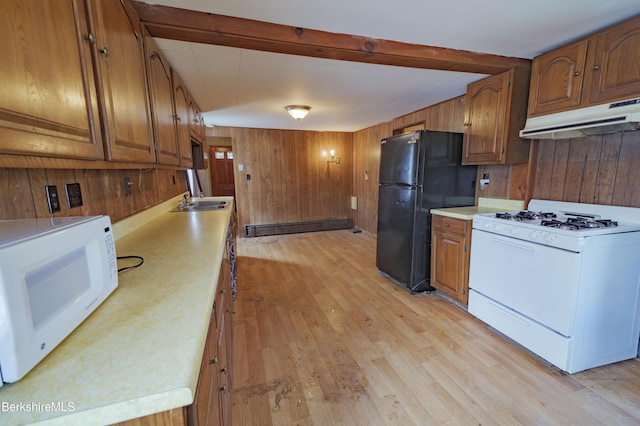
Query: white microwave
x=53 y=273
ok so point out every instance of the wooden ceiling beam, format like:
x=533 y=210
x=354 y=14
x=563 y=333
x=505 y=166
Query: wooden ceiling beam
x=201 y=27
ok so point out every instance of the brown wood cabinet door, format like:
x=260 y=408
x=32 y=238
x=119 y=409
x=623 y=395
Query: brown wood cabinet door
x=181 y=101
x=196 y=123
x=450 y=256
x=448 y=253
x=556 y=79
x=616 y=64
x=161 y=94
x=485 y=109
x=123 y=82
x=48 y=103
x=224 y=385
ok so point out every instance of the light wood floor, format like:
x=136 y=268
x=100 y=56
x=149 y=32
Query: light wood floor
x=322 y=338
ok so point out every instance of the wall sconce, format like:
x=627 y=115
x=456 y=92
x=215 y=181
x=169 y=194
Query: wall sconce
x=332 y=153
x=298 y=111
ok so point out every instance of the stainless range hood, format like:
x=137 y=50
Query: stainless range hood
x=595 y=120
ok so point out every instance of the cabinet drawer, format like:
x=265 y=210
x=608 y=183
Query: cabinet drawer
x=449 y=224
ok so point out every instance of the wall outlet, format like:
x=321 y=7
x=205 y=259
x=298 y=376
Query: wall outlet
x=74 y=195
x=484 y=181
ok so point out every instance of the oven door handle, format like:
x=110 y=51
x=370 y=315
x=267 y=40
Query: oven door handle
x=514 y=244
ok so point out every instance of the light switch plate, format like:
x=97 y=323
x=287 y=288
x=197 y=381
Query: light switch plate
x=52 y=198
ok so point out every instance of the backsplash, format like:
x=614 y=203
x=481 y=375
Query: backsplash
x=23 y=196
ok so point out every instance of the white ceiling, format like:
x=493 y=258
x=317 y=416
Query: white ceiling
x=244 y=88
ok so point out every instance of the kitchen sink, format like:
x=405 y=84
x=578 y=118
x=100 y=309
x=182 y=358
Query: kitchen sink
x=202 y=205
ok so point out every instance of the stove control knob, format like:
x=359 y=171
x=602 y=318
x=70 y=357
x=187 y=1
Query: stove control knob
x=548 y=238
x=535 y=235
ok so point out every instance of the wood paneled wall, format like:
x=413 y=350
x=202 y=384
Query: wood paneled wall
x=22 y=191
x=596 y=169
x=290 y=180
x=446 y=116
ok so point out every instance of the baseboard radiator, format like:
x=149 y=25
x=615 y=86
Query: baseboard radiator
x=296 y=227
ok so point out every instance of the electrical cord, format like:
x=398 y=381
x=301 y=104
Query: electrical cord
x=140 y=258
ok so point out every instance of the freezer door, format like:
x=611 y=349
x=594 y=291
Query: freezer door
x=446 y=182
x=401 y=245
x=399 y=159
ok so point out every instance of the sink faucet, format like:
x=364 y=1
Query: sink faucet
x=184 y=203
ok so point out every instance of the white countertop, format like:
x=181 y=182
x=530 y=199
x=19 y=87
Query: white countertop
x=485 y=205
x=140 y=352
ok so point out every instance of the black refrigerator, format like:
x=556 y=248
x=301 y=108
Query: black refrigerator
x=419 y=171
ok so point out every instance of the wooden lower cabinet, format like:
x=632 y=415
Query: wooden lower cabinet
x=450 y=249
x=212 y=402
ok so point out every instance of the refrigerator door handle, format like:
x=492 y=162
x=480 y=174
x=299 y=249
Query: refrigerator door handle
x=400 y=184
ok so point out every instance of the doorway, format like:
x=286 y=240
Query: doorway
x=221 y=161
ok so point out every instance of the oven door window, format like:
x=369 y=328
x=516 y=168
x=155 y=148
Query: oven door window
x=537 y=281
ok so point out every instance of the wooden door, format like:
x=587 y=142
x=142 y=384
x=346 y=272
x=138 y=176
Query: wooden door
x=221 y=160
x=196 y=123
x=161 y=94
x=123 y=82
x=48 y=102
x=486 y=104
x=450 y=256
x=616 y=73
x=556 y=79
x=181 y=100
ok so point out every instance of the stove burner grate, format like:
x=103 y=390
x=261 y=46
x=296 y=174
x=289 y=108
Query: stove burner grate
x=525 y=215
x=575 y=224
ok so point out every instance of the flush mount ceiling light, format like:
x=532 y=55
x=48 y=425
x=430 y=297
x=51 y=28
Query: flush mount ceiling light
x=298 y=111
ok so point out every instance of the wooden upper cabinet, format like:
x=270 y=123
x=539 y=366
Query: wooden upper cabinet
x=556 y=79
x=48 y=102
x=196 y=122
x=495 y=111
x=597 y=69
x=615 y=67
x=162 y=110
x=181 y=99
x=123 y=82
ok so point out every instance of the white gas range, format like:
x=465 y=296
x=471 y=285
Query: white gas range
x=562 y=279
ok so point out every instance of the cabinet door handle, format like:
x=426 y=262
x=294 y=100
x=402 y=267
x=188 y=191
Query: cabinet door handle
x=577 y=73
x=446 y=225
x=105 y=51
x=90 y=38
x=596 y=67
x=223 y=370
x=223 y=388
x=213 y=361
